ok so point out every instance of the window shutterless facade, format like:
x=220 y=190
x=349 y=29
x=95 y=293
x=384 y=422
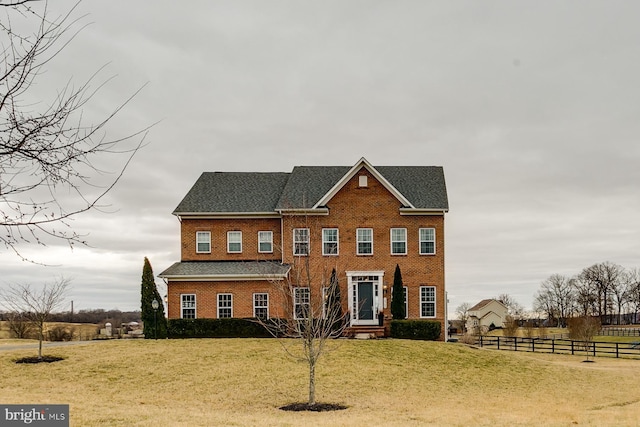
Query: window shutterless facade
x=301 y=303
x=398 y=241
x=225 y=306
x=188 y=306
x=203 y=242
x=329 y=241
x=427 y=241
x=265 y=241
x=301 y=241
x=364 y=241
x=234 y=241
x=427 y=301
x=261 y=306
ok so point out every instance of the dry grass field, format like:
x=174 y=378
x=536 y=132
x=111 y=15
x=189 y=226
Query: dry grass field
x=81 y=331
x=242 y=382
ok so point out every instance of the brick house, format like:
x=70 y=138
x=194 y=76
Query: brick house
x=245 y=234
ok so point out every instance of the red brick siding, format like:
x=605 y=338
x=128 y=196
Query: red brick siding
x=219 y=228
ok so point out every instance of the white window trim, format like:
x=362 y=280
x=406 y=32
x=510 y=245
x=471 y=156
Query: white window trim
x=195 y=306
x=337 y=242
x=308 y=242
x=270 y=241
x=255 y=306
x=208 y=234
x=234 y=232
x=391 y=241
x=428 y=302
x=295 y=304
x=405 y=290
x=420 y=241
x=358 y=242
x=218 y=304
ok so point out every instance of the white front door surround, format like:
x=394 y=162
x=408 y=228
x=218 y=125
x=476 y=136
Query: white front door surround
x=365 y=296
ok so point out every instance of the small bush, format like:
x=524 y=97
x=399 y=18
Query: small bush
x=61 y=333
x=216 y=328
x=416 y=329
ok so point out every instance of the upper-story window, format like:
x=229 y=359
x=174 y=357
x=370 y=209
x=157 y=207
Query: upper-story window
x=364 y=241
x=234 y=241
x=203 y=242
x=399 y=241
x=329 y=241
x=301 y=241
x=265 y=241
x=427 y=241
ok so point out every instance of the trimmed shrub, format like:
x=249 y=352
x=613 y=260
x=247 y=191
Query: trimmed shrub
x=416 y=329
x=61 y=333
x=216 y=328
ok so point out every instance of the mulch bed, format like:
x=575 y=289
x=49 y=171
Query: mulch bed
x=316 y=407
x=36 y=359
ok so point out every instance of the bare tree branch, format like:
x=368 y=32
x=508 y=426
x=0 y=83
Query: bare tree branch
x=47 y=153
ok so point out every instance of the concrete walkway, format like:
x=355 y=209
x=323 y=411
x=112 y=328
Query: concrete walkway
x=45 y=345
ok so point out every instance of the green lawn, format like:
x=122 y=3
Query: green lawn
x=242 y=382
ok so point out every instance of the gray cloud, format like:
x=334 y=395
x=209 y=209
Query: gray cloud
x=531 y=109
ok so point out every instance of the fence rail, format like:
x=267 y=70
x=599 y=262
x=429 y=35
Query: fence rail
x=562 y=346
x=621 y=332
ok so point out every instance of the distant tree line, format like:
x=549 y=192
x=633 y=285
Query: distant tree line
x=606 y=290
x=97 y=316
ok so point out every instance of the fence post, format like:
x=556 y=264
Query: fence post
x=553 y=346
x=533 y=345
x=481 y=341
x=594 y=349
x=617 y=351
x=515 y=343
x=572 y=347
x=498 y=343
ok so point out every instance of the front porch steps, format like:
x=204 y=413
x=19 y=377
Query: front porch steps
x=365 y=332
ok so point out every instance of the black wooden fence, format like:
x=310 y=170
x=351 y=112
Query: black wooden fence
x=562 y=346
x=620 y=332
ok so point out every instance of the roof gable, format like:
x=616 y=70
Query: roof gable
x=362 y=163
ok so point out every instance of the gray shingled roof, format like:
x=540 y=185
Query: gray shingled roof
x=234 y=192
x=225 y=268
x=220 y=192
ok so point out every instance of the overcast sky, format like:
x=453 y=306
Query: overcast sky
x=532 y=108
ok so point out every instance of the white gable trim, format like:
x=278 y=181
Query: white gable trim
x=343 y=181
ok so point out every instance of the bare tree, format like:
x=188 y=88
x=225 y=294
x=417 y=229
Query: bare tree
x=632 y=285
x=514 y=307
x=583 y=329
x=463 y=315
x=601 y=279
x=36 y=305
x=48 y=153
x=311 y=313
x=556 y=298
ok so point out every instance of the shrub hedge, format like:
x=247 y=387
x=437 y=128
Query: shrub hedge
x=216 y=328
x=416 y=329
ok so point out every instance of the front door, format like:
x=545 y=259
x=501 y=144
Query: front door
x=365 y=301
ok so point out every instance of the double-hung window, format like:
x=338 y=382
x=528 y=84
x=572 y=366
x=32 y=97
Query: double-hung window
x=329 y=241
x=188 y=306
x=427 y=241
x=364 y=241
x=398 y=241
x=301 y=303
x=234 y=242
x=261 y=306
x=265 y=241
x=203 y=242
x=301 y=241
x=225 y=305
x=427 y=301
